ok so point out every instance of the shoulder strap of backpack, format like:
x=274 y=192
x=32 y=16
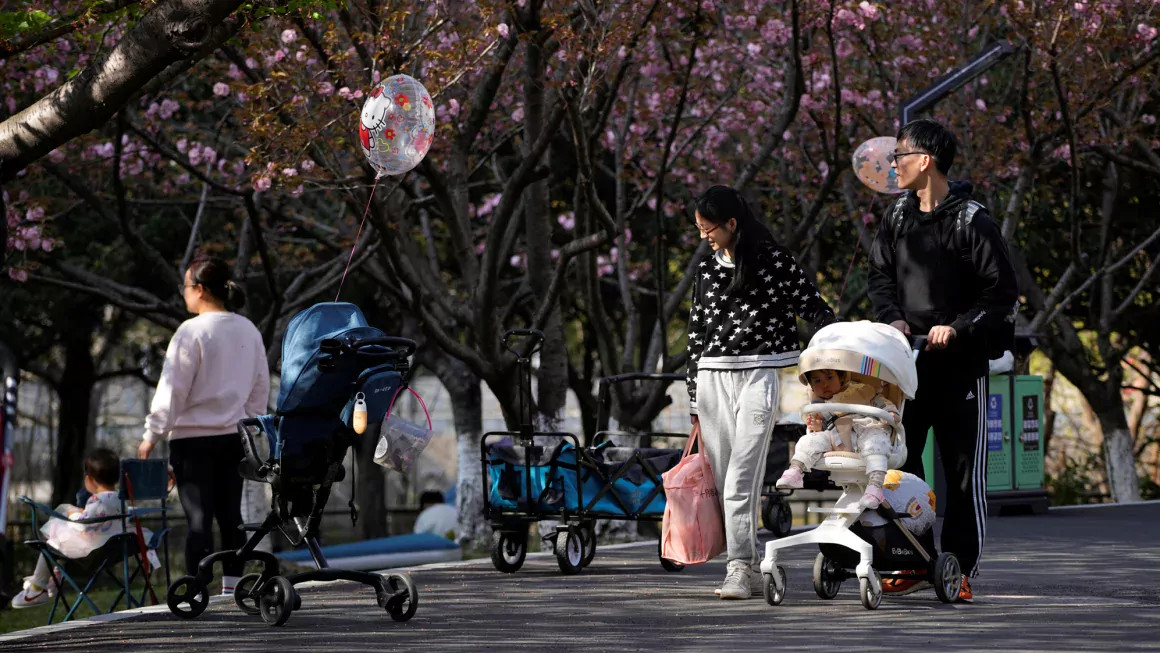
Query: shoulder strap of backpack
x=896 y=220
x=966 y=215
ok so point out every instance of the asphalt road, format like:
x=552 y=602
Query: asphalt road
x=1071 y=580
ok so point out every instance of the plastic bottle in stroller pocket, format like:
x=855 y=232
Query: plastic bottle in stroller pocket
x=401 y=441
x=359 y=417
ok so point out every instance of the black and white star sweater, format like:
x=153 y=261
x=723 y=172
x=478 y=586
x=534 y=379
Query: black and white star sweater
x=751 y=327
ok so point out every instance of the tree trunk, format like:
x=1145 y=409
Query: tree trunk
x=75 y=392
x=370 y=489
x=1119 y=456
x=467 y=414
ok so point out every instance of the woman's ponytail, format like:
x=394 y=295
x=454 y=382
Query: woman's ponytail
x=235 y=295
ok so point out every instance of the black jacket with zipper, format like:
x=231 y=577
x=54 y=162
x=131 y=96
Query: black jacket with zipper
x=949 y=266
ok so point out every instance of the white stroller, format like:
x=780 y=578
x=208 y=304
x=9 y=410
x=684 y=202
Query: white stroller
x=871 y=353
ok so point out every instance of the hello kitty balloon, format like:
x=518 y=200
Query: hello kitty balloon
x=396 y=125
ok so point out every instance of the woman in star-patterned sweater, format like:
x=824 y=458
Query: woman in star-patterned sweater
x=742 y=328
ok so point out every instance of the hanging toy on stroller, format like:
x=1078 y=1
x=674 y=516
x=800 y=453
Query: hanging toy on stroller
x=338 y=376
x=896 y=538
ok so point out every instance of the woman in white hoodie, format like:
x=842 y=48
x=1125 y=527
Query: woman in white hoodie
x=215 y=374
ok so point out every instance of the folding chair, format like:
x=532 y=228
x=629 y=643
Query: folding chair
x=145 y=476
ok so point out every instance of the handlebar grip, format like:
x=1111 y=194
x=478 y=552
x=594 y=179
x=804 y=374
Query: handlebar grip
x=406 y=345
x=249 y=447
x=535 y=335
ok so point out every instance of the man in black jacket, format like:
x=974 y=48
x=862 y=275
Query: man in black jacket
x=939 y=268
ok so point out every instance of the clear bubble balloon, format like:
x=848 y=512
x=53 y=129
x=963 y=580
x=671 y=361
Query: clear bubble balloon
x=396 y=125
x=872 y=164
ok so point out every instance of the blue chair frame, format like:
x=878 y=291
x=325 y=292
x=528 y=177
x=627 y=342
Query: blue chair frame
x=150 y=480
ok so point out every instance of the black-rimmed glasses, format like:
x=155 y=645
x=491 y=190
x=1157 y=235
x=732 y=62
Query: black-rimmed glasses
x=894 y=156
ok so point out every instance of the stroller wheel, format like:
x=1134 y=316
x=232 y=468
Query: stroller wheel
x=777 y=516
x=946 y=577
x=773 y=596
x=187 y=598
x=276 y=601
x=827 y=578
x=244 y=595
x=509 y=551
x=399 y=597
x=588 y=540
x=668 y=565
x=870 y=591
x=569 y=552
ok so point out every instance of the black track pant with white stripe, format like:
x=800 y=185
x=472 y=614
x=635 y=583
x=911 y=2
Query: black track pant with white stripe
x=953 y=403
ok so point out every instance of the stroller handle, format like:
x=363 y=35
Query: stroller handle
x=535 y=335
x=868 y=411
x=640 y=376
x=250 y=448
x=405 y=345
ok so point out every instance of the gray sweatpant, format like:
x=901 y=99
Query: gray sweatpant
x=737 y=409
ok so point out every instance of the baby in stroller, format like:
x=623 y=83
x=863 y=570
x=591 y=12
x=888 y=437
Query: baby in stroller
x=865 y=435
x=894 y=539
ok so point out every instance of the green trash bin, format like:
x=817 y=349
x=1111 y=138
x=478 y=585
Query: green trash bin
x=999 y=453
x=1027 y=410
x=1015 y=477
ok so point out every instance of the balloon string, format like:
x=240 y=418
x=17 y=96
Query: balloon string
x=354 y=246
x=854 y=255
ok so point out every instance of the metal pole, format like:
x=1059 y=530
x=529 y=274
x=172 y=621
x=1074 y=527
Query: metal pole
x=955 y=79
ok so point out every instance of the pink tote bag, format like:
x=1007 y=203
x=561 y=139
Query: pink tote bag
x=693 y=529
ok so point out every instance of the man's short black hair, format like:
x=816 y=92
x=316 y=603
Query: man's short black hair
x=430 y=498
x=104 y=466
x=932 y=138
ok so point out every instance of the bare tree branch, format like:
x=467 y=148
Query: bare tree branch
x=173 y=30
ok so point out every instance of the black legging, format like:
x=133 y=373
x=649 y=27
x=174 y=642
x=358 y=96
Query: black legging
x=206 y=471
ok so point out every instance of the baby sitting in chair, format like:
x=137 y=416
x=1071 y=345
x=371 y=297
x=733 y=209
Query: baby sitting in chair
x=867 y=436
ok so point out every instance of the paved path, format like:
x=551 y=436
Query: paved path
x=1071 y=580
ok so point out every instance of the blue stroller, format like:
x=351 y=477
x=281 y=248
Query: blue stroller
x=331 y=359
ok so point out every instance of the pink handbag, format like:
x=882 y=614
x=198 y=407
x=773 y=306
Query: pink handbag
x=693 y=530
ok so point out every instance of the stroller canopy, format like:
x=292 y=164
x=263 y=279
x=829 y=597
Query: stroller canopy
x=303 y=386
x=868 y=348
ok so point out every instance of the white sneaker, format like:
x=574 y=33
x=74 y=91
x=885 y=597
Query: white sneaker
x=739 y=581
x=30 y=597
x=754 y=582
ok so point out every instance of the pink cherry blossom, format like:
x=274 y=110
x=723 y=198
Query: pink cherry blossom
x=168 y=107
x=221 y=89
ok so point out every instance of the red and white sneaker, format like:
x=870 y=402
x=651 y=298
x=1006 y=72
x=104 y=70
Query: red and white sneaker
x=904 y=586
x=965 y=594
x=30 y=597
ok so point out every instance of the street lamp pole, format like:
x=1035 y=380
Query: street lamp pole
x=954 y=80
